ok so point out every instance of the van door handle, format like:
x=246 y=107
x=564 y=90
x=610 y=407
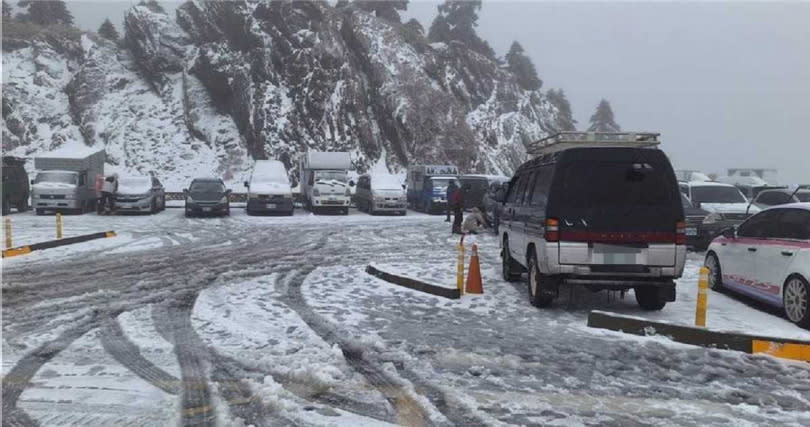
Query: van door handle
x=787 y=253
x=752 y=249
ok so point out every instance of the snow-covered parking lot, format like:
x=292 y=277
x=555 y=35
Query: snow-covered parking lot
x=272 y=321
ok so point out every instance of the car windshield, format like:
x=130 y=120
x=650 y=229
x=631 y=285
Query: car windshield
x=207 y=187
x=138 y=181
x=439 y=184
x=717 y=194
x=56 y=177
x=331 y=175
x=803 y=196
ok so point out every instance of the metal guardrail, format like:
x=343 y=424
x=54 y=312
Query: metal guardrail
x=234 y=197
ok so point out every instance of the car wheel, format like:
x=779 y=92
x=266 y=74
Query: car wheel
x=23 y=205
x=538 y=284
x=508 y=264
x=153 y=206
x=228 y=210
x=648 y=298
x=40 y=211
x=292 y=212
x=796 y=298
x=715 y=274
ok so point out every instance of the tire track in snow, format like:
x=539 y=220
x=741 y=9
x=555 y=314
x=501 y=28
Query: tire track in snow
x=127 y=353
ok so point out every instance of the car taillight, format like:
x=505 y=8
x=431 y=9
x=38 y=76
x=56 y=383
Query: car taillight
x=680 y=233
x=552 y=233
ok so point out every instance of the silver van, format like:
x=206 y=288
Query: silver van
x=603 y=214
x=381 y=193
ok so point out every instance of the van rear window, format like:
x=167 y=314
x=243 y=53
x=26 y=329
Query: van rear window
x=615 y=184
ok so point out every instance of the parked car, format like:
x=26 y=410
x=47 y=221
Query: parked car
x=207 y=196
x=16 y=189
x=725 y=203
x=767 y=258
x=608 y=218
x=269 y=189
x=691 y=175
x=492 y=206
x=381 y=193
x=699 y=231
x=477 y=187
x=140 y=193
x=780 y=196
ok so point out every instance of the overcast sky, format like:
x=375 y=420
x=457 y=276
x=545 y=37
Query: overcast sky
x=727 y=84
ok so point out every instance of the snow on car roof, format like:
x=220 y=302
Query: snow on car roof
x=71 y=150
x=269 y=170
x=57 y=171
x=385 y=182
x=708 y=184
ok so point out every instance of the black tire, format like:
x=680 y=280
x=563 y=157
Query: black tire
x=40 y=212
x=796 y=300
x=163 y=203
x=22 y=206
x=715 y=272
x=538 y=283
x=648 y=298
x=6 y=206
x=291 y=213
x=227 y=211
x=508 y=264
x=153 y=206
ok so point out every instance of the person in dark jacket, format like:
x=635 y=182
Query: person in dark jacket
x=451 y=188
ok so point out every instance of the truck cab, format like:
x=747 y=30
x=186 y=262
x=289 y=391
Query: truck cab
x=67 y=181
x=427 y=186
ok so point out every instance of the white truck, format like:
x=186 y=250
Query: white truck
x=67 y=181
x=324 y=181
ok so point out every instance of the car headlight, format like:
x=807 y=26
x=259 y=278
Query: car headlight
x=315 y=192
x=223 y=200
x=713 y=218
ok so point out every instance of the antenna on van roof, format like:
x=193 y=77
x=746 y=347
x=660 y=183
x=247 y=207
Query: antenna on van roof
x=574 y=139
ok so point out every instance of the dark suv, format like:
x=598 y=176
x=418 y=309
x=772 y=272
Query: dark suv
x=207 y=196
x=15 y=185
x=608 y=218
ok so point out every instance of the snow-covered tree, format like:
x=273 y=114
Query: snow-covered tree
x=385 y=9
x=152 y=5
x=602 y=120
x=108 y=31
x=565 y=118
x=456 y=21
x=45 y=13
x=6 y=10
x=415 y=26
x=522 y=67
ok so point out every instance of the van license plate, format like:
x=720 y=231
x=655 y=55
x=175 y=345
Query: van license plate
x=125 y=205
x=271 y=206
x=616 y=254
x=691 y=231
x=206 y=209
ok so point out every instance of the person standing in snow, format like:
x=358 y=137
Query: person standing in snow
x=108 y=190
x=474 y=222
x=457 y=201
x=451 y=188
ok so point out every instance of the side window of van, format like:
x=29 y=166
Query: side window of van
x=542 y=185
x=513 y=189
x=526 y=188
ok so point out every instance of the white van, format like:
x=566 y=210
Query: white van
x=269 y=189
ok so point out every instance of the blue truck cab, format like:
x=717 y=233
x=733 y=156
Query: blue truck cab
x=427 y=186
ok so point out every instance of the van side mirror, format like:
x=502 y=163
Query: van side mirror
x=729 y=233
x=32 y=182
x=404 y=187
x=247 y=185
x=351 y=183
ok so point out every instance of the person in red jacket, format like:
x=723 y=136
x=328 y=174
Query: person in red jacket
x=457 y=203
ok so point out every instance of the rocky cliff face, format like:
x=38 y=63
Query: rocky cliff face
x=222 y=82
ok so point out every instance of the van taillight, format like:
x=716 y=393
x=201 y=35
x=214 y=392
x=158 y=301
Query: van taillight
x=680 y=233
x=552 y=230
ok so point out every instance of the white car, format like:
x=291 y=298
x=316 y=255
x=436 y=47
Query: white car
x=767 y=258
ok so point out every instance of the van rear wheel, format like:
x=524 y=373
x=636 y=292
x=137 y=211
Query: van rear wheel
x=649 y=298
x=539 y=285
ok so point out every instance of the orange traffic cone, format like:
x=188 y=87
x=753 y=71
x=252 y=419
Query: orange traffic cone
x=474 y=285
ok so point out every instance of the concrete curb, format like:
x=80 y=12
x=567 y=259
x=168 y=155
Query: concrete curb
x=22 y=250
x=413 y=284
x=779 y=347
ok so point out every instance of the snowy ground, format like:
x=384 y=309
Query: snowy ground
x=272 y=321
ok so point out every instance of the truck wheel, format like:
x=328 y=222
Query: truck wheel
x=40 y=211
x=508 y=265
x=539 y=285
x=648 y=298
x=23 y=205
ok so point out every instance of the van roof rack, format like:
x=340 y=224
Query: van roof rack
x=574 y=139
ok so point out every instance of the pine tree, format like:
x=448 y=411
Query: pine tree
x=415 y=26
x=44 y=13
x=522 y=67
x=565 y=118
x=152 y=5
x=456 y=21
x=602 y=120
x=108 y=31
x=385 y=9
